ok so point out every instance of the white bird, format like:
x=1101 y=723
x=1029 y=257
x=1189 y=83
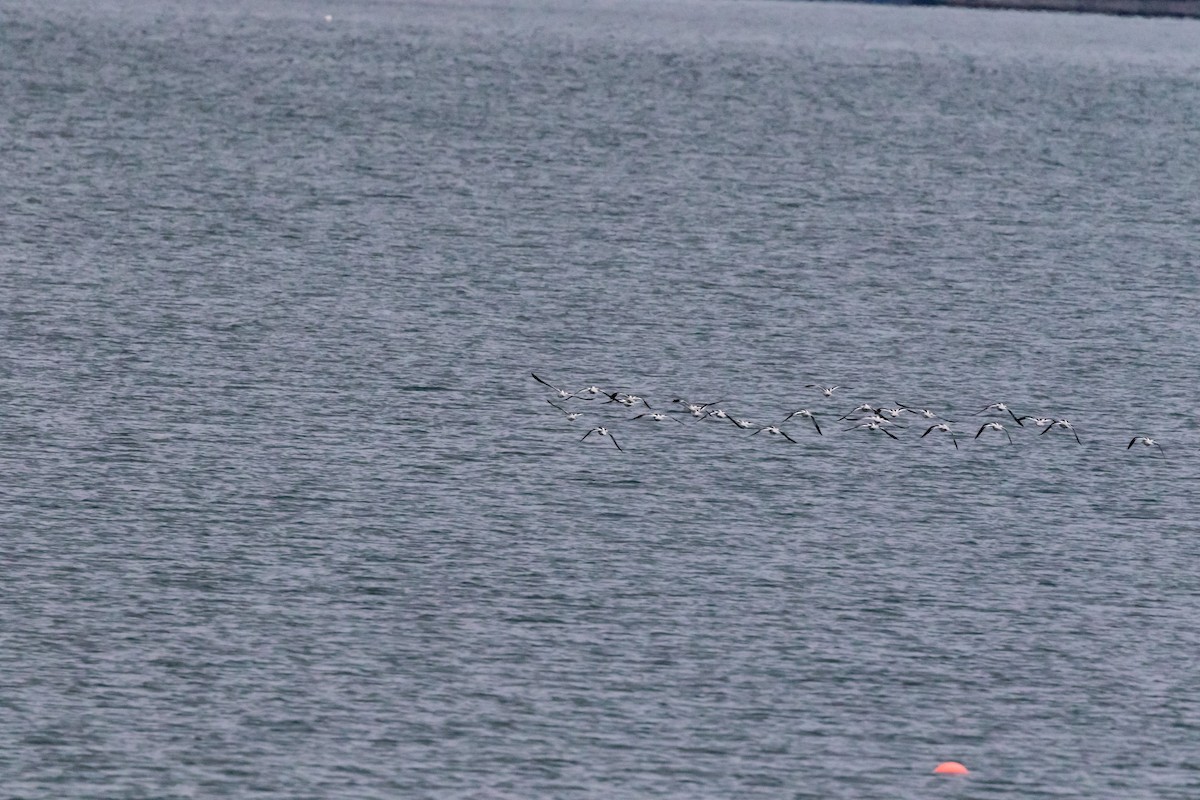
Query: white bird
x=1062 y=423
x=921 y=412
x=563 y=394
x=872 y=425
x=1039 y=422
x=804 y=412
x=658 y=416
x=1000 y=407
x=857 y=409
x=995 y=426
x=571 y=415
x=742 y=423
x=693 y=407
x=625 y=399
x=603 y=431
x=717 y=414
x=775 y=430
x=1146 y=440
x=944 y=428
x=825 y=390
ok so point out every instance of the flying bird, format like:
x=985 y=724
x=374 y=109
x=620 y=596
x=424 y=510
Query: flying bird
x=994 y=426
x=872 y=425
x=921 y=412
x=1001 y=407
x=658 y=416
x=857 y=409
x=825 y=390
x=804 y=412
x=571 y=415
x=563 y=394
x=693 y=406
x=1062 y=423
x=625 y=399
x=1146 y=440
x=775 y=430
x=603 y=431
x=944 y=428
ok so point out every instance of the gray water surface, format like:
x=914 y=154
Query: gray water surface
x=285 y=515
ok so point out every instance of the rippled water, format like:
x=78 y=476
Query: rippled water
x=285 y=515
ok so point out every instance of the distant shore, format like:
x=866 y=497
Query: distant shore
x=1140 y=8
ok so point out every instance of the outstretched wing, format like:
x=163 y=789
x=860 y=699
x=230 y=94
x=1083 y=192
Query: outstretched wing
x=539 y=380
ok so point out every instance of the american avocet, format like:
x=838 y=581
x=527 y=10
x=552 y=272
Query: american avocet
x=571 y=415
x=825 y=390
x=1039 y=422
x=872 y=425
x=994 y=426
x=563 y=394
x=858 y=409
x=775 y=430
x=693 y=406
x=1000 y=407
x=626 y=399
x=1062 y=423
x=602 y=431
x=697 y=410
x=924 y=413
x=944 y=428
x=658 y=416
x=1146 y=440
x=804 y=412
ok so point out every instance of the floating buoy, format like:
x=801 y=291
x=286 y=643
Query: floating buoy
x=950 y=768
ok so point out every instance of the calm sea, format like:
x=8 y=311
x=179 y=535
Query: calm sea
x=283 y=513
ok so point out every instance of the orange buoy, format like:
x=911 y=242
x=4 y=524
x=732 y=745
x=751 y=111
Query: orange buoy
x=950 y=768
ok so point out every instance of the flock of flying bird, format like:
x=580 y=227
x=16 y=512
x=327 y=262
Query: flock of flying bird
x=867 y=417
